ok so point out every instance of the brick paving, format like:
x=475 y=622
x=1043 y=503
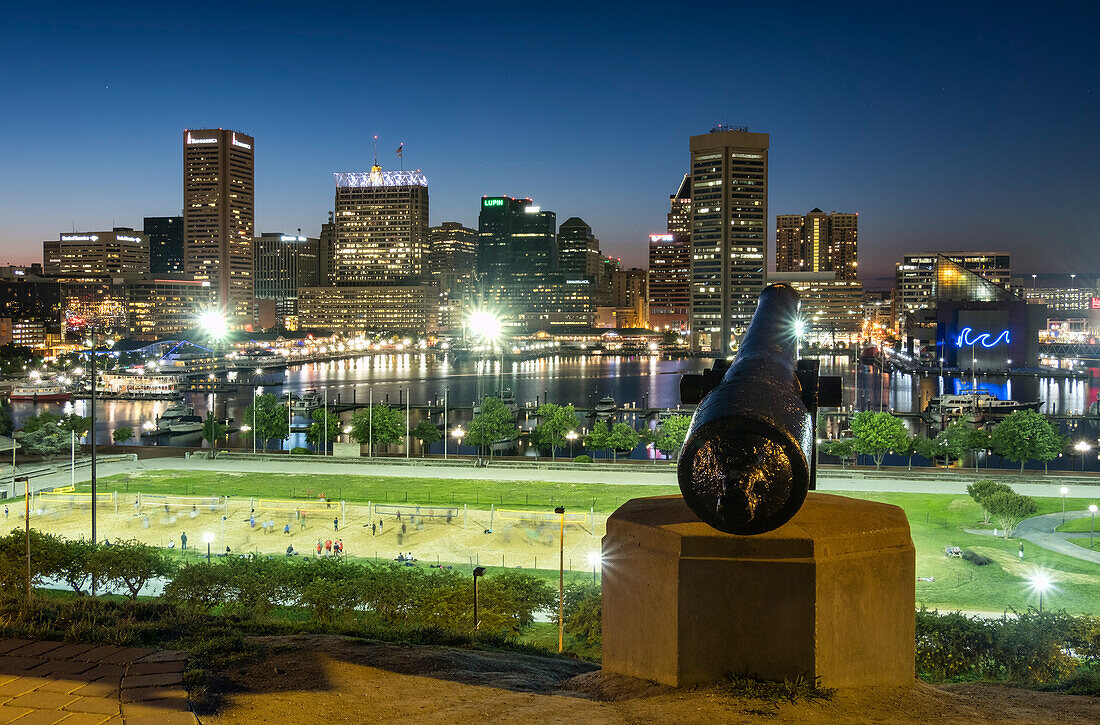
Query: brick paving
x=79 y=684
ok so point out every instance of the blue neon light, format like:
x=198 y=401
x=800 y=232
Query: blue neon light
x=964 y=338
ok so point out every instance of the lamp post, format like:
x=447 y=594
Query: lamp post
x=1092 y=523
x=208 y=537
x=479 y=571
x=27 y=530
x=571 y=436
x=560 y=510
x=457 y=434
x=444 y=424
x=1082 y=447
x=594 y=559
x=1040 y=583
x=1063 y=491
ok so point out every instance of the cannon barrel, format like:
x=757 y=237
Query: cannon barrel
x=748 y=458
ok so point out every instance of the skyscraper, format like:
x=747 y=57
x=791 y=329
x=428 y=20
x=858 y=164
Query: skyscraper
x=121 y=251
x=729 y=212
x=381 y=227
x=326 y=251
x=669 y=281
x=515 y=237
x=679 y=215
x=817 y=242
x=219 y=217
x=578 y=248
x=165 y=244
x=452 y=255
x=285 y=263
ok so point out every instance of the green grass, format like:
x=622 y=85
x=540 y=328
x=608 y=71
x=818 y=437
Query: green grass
x=544 y=635
x=1078 y=526
x=939 y=520
x=1085 y=543
x=384 y=489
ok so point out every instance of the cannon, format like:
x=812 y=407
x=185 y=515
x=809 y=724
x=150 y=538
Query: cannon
x=749 y=457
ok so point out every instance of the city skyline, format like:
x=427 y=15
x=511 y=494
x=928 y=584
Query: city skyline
x=913 y=119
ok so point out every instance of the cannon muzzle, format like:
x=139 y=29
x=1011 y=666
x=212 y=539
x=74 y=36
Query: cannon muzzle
x=748 y=458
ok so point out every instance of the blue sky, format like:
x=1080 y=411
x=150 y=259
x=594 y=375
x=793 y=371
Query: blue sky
x=945 y=126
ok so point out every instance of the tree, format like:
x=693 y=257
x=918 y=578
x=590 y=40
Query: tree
x=493 y=423
x=42 y=435
x=78 y=424
x=5 y=420
x=930 y=448
x=267 y=418
x=427 y=433
x=1022 y=436
x=876 y=434
x=122 y=434
x=622 y=438
x=1008 y=509
x=378 y=424
x=980 y=491
x=961 y=438
x=555 y=422
x=842 y=448
x=316 y=434
x=1051 y=446
x=130 y=565
x=213 y=429
x=598 y=439
x=909 y=450
x=671 y=434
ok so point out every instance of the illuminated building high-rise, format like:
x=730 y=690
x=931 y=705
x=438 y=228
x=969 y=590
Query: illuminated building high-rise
x=452 y=255
x=515 y=237
x=817 y=242
x=578 y=248
x=729 y=236
x=165 y=244
x=219 y=217
x=285 y=263
x=381 y=227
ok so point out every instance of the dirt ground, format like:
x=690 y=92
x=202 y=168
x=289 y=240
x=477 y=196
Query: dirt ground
x=514 y=542
x=327 y=679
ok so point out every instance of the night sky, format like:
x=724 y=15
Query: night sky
x=945 y=126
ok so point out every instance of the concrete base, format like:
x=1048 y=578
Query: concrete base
x=346 y=450
x=830 y=594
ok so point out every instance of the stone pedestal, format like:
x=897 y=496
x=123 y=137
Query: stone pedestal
x=830 y=594
x=346 y=450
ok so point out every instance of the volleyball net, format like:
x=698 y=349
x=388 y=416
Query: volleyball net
x=416 y=514
x=197 y=504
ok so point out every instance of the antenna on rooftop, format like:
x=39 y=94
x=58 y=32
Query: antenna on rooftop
x=375 y=150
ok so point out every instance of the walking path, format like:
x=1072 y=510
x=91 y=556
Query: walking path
x=83 y=684
x=663 y=474
x=1040 y=530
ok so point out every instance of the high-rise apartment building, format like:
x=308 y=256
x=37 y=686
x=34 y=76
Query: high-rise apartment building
x=326 y=251
x=452 y=255
x=679 y=215
x=817 y=242
x=669 y=281
x=219 y=217
x=284 y=263
x=578 y=248
x=165 y=235
x=729 y=236
x=161 y=306
x=97 y=254
x=381 y=227
x=515 y=237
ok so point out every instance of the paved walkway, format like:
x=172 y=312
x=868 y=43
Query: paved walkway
x=1040 y=530
x=83 y=684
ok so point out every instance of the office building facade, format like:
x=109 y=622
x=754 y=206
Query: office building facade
x=97 y=254
x=283 y=264
x=163 y=306
x=818 y=242
x=832 y=308
x=729 y=236
x=515 y=237
x=219 y=217
x=452 y=256
x=381 y=227
x=165 y=234
x=669 y=281
x=578 y=248
x=922 y=278
x=402 y=309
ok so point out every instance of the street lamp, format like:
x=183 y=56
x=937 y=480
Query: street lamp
x=1063 y=491
x=1082 y=447
x=208 y=537
x=479 y=571
x=1040 y=583
x=571 y=436
x=594 y=560
x=1092 y=523
x=214 y=324
x=560 y=510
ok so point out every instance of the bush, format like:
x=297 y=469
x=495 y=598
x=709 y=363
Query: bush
x=584 y=611
x=299 y=451
x=583 y=458
x=130 y=565
x=951 y=645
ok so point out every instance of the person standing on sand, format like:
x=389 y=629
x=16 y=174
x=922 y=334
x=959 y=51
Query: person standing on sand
x=183 y=540
x=373 y=527
x=328 y=547
x=336 y=524
x=319 y=545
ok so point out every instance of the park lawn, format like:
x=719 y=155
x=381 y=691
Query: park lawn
x=540 y=495
x=938 y=520
x=1078 y=526
x=1086 y=543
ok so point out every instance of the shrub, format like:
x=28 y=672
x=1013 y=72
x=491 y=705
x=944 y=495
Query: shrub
x=584 y=611
x=200 y=586
x=1008 y=509
x=980 y=491
x=583 y=458
x=299 y=451
x=130 y=565
x=951 y=645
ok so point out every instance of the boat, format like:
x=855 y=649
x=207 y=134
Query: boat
x=255 y=358
x=172 y=414
x=974 y=406
x=40 y=393
x=185 y=424
x=308 y=402
x=606 y=409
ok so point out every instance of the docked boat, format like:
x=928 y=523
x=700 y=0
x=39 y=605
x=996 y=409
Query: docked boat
x=255 y=359
x=974 y=407
x=185 y=424
x=40 y=393
x=173 y=413
x=305 y=403
x=606 y=409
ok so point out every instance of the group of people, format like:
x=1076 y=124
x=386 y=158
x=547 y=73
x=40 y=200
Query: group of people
x=330 y=547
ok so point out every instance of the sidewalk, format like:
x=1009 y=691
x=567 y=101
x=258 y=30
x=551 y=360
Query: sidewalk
x=1040 y=530
x=83 y=684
